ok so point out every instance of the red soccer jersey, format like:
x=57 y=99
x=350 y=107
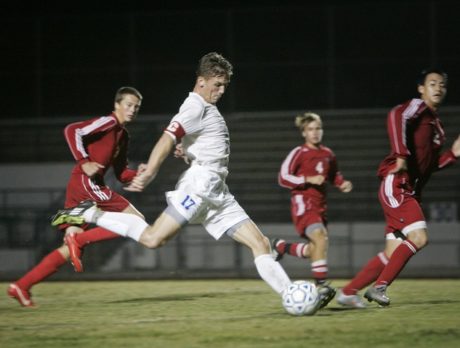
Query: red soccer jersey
x=102 y=140
x=416 y=133
x=304 y=161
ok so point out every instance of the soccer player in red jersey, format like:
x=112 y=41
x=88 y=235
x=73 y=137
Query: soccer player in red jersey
x=416 y=137
x=96 y=144
x=306 y=171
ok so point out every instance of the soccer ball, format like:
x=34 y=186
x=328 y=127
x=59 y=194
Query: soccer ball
x=301 y=298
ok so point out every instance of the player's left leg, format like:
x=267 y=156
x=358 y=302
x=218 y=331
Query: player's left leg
x=416 y=240
x=248 y=234
x=20 y=289
x=317 y=234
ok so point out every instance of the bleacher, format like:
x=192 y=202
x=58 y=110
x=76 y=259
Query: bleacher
x=259 y=143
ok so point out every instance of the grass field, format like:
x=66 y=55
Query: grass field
x=223 y=313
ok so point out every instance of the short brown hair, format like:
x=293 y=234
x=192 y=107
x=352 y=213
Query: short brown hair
x=306 y=118
x=126 y=90
x=214 y=64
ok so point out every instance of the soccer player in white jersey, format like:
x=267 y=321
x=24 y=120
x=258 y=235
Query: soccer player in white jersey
x=201 y=194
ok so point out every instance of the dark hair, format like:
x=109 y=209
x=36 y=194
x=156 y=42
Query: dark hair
x=433 y=70
x=126 y=90
x=214 y=64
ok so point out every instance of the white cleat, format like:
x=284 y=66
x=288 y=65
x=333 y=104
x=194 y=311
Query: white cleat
x=350 y=301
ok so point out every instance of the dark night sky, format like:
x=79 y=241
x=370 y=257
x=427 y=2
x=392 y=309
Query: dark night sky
x=287 y=55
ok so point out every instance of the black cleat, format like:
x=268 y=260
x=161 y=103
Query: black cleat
x=73 y=215
x=326 y=294
x=277 y=256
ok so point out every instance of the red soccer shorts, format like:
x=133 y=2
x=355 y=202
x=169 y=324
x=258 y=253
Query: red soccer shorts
x=401 y=209
x=305 y=213
x=81 y=188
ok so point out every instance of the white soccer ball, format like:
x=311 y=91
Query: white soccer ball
x=301 y=298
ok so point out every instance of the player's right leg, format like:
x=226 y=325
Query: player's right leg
x=126 y=225
x=280 y=248
x=77 y=240
x=377 y=294
x=163 y=229
x=73 y=247
x=399 y=258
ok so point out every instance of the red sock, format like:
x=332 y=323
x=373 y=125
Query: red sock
x=296 y=249
x=367 y=275
x=93 y=235
x=281 y=246
x=47 y=266
x=398 y=260
x=319 y=271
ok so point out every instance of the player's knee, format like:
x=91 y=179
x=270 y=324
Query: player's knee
x=420 y=241
x=318 y=236
x=265 y=243
x=419 y=238
x=64 y=251
x=261 y=247
x=151 y=242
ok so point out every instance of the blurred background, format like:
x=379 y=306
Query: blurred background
x=348 y=61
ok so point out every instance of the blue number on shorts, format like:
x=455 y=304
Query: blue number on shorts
x=188 y=202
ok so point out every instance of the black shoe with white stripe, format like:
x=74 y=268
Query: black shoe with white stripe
x=73 y=215
x=326 y=294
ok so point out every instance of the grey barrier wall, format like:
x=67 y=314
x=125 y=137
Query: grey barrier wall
x=195 y=254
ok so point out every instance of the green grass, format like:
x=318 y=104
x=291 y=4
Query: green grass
x=224 y=313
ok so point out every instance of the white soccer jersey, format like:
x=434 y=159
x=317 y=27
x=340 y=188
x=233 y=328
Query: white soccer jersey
x=201 y=195
x=203 y=131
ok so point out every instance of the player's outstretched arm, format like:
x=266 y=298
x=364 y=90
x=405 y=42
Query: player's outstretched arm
x=159 y=153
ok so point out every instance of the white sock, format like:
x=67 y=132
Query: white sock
x=272 y=272
x=126 y=225
x=90 y=215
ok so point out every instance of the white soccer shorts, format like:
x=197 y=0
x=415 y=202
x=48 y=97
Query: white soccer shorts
x=202 y=197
